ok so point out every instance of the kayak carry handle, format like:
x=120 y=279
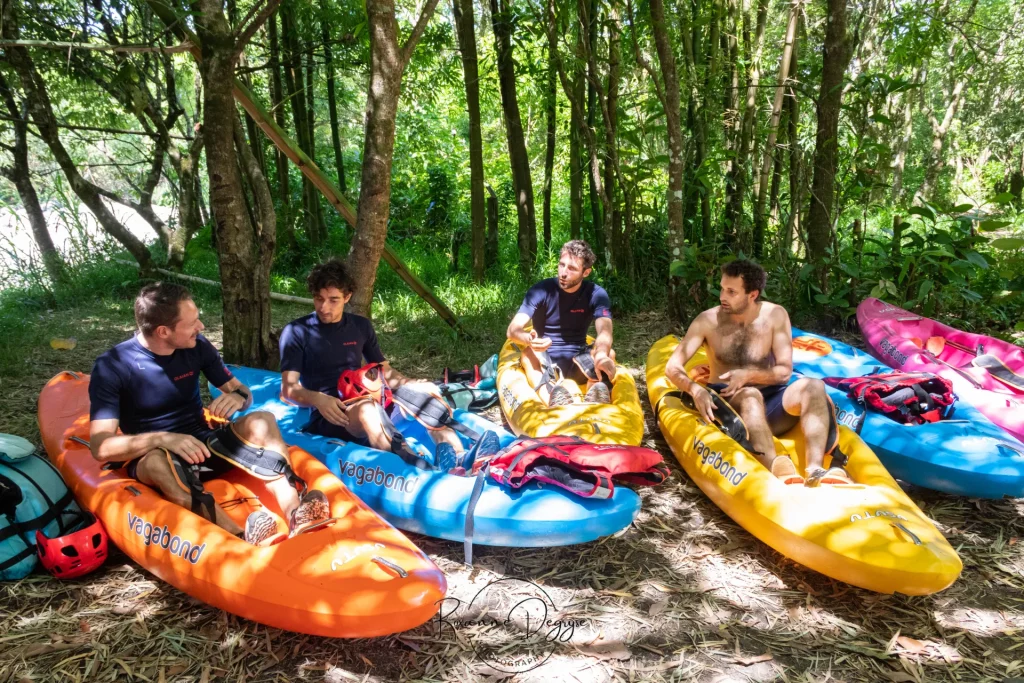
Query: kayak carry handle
x=390 y=565
x=73 y=374
x=80 y=440
x=908 y=532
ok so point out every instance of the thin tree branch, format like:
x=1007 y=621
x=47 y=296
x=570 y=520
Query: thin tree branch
x=53 y=45
x=246 y=34
x=417 y=31
x=100 y=129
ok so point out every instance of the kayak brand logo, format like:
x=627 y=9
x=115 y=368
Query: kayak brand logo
x=715 y=459
x=511 y=402
x=890 y=350
x=347 y=554
x=160 y=536
x=375 y=476
x=849 y=418
x=878 y=513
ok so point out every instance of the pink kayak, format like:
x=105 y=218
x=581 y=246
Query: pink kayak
x=986 y=372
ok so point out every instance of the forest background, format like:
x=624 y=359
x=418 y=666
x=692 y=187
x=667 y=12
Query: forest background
x=867 y=148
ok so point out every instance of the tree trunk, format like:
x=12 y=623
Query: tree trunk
x=332 y=104
x=387 y=64
x=245 y=251
x=939 y=129
x=296 y=86
x=41 y=111
x=695 y=119
x=551 y=113
x=492 y=228
x=575 y=160
x=189 y=220
x=18 y=174
x=590 y=38
x=278 y=106
x=613 y=228
x=676 y=229
x=464 y=24
x=316 y=207
x=836 y=56
x=734 y=211
x=773 y=128
x=522 y=184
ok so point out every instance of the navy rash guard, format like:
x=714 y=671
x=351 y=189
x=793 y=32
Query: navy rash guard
x=147 y=392
x=565 y=318
x=320 y=352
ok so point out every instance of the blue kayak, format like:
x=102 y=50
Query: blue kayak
x=434 y=503
x=966 y=454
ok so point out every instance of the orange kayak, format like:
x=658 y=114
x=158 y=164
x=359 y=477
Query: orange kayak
x=356 y=578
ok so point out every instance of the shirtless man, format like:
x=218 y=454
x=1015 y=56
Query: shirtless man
x=560 y=310
x=750 y=349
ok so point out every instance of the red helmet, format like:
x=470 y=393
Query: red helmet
x=74 y=554
x=366 y=381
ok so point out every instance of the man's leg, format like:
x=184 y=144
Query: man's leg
x=154 y=469
x=364 y=422
x=260 y=428
x=749 y=403
x=447 y=435
x=535 y=374
x=808 y=399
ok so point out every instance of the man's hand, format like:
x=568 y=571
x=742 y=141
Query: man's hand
x=538 y=343
x=332 y=409
x=226 y=405
x=737 y=379
x=702 y=399
x=189 y=448
x=603 y=364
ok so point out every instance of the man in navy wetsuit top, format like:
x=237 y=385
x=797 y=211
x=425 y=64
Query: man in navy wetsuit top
x=560 y=310
x=316 y=349
x=148 y=388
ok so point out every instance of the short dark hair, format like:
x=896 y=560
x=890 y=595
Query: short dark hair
x=158 y=304
x=581 y=250
x=753 y=275
x=333 y=273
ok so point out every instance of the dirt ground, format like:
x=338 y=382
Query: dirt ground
x=682 y=594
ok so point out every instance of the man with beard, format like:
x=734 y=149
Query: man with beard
x=555 y=349
x=750 y=353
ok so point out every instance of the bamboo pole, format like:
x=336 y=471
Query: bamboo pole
x=309 y=169
x=54 y=45
x=286 y=298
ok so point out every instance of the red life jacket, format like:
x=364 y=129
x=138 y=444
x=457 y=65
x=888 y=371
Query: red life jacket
x=579 y=466
x=907 y=397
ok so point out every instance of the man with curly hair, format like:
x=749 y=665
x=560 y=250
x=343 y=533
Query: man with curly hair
x=750 y=352
x=555 y=350
x=318 y=348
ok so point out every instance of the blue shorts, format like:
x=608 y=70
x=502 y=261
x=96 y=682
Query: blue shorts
x=779 y=421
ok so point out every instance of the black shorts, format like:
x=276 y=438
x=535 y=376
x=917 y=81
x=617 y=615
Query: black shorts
x=779 y=421
x=318 y=425
x=211 y=468
x=564 y=361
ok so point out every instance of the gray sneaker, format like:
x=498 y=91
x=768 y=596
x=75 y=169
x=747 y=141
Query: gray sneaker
x=598 y=393
x=260 y=528
x=560 y=396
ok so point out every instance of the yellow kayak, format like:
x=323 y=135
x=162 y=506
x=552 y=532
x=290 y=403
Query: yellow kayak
x=618 y=422
x=869 y=534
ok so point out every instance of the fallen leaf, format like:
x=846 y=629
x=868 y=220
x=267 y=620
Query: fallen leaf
x=898 y=676
x=657 y=608
x=365 y=659
x=37 y=649
x=409 y=644
x=912 y=645
x=748 y=661
x=609 y=650
x=130 y=608
x=83 y=626
x=177 y=669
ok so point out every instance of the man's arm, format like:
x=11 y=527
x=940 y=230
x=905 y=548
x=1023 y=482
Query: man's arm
x=109 y=446
x=330 y=407
x=675 y=370
x=603 y=347
x=517 y=332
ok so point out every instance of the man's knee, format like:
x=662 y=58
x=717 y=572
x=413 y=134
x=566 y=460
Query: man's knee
x=258 y=427
x=809 y=387
x=364 y=418
x=749 y=398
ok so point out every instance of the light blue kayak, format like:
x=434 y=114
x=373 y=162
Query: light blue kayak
x=966 y=454
x=435 y=503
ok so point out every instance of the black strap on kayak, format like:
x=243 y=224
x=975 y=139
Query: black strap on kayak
x=261 y=462
x=430 y=411
x=726 y=419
